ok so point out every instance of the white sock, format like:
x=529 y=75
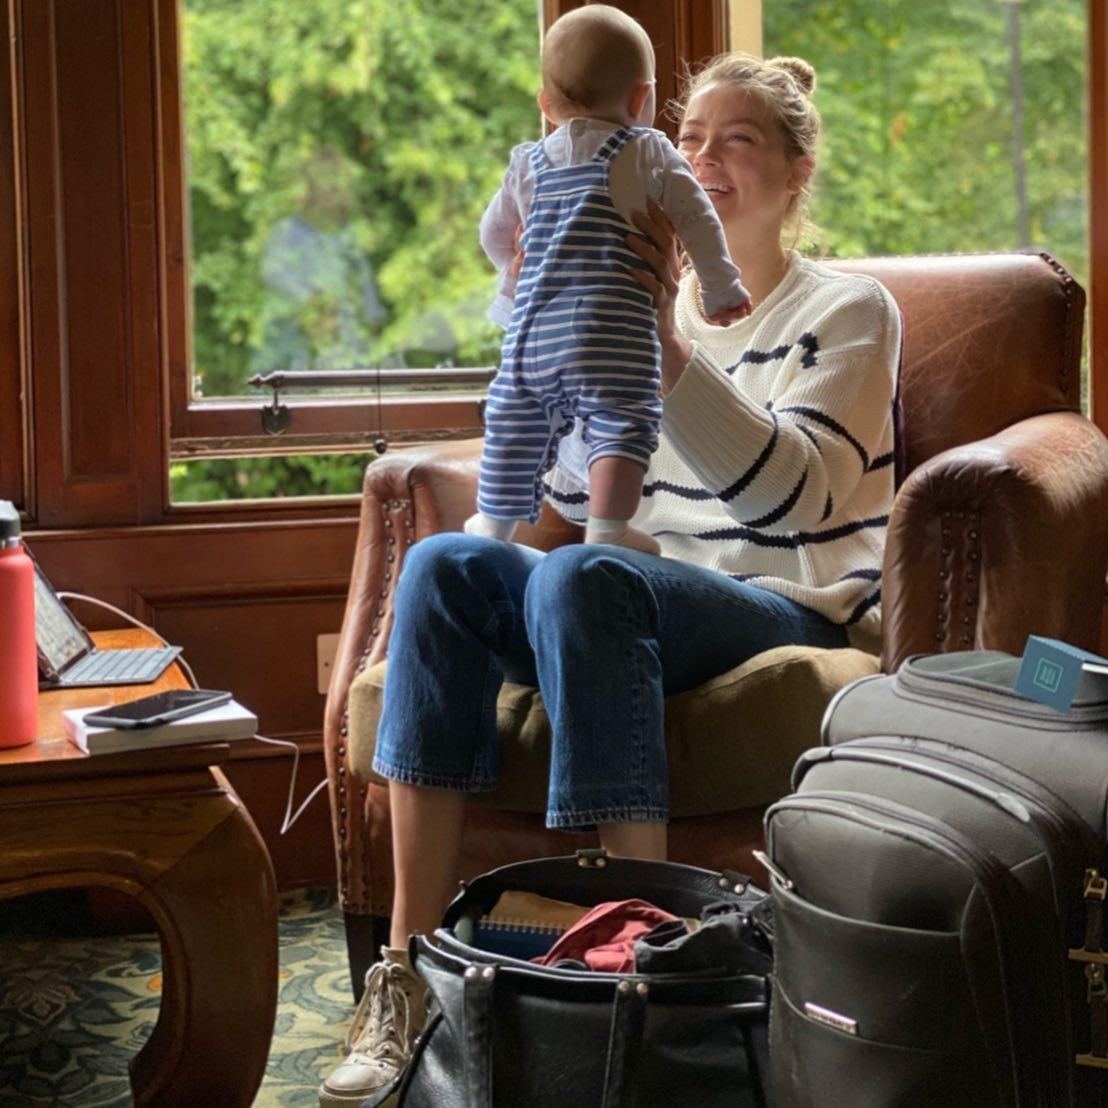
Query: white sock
x=488 y=528
x=619 y=532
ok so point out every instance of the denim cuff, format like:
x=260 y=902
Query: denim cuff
x=585 y=819
x=408 y=776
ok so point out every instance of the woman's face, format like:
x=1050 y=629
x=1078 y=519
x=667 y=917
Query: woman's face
x=735 y=147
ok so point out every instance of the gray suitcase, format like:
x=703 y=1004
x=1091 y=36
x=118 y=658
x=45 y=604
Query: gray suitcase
x=939 y=896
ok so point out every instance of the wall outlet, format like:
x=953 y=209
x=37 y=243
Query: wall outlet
x=326 y=646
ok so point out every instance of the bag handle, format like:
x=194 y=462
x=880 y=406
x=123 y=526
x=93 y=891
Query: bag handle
x=477 y=1034
x=625 y=1043
x=590 y=877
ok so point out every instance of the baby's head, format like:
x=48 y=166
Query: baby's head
x=597 y=61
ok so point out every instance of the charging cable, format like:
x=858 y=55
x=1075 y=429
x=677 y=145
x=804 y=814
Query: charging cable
x=290 y=819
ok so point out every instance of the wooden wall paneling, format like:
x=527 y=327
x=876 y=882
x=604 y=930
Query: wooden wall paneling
x=246 y=601
x=13 y=383
x=306 y=855
x=87 y=80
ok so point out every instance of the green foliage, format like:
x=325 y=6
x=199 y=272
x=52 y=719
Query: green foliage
x=260 y=478
x=917 y=104
x=340 y=153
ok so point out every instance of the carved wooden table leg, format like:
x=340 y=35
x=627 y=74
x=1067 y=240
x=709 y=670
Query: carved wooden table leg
x=184 y=846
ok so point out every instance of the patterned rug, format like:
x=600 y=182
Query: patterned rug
x=75 y=1011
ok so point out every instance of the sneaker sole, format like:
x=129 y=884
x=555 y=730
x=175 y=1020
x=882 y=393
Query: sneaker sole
x=328 y=1099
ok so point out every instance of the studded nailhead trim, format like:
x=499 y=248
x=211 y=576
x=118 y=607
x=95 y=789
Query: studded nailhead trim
x=958 y=594
x=399 y=530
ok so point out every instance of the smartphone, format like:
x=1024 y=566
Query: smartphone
x=160 y=708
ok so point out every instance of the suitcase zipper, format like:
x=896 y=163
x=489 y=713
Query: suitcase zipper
x=990 y=875
x=909 y=681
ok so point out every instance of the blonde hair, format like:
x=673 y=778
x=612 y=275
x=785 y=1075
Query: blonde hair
x=594 y=55
x=785 y=85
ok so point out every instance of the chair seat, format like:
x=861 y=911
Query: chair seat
x=730 y=743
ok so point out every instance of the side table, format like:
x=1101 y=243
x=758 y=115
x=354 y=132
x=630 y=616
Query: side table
x=165 y=827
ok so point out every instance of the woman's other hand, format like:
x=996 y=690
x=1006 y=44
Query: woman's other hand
x=661 y=254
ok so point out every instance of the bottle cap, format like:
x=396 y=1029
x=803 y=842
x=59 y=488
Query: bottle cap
x=9 y=521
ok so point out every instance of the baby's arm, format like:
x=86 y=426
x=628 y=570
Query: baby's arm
x=701 y=233
x=505 y=214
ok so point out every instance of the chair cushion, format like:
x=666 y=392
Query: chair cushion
x=731 y=742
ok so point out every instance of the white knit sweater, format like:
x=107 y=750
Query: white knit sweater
x=776 y=457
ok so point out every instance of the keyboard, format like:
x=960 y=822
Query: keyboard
x=120 y=667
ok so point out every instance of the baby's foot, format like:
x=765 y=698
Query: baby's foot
x=622 y=535
x=488 y=528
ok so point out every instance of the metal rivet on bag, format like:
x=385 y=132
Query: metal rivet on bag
x=582 y=862
x=642 y=988
x=740 y=888
x=601 y=863
x=624 y=986
x=723 y=882
x=488 y=973
x=470 y=973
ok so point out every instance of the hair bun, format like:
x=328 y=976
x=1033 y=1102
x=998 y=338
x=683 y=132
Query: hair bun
x=800 y=71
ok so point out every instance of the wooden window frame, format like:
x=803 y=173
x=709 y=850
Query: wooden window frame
x=1098 y=210
x=14 y=378
x=682 y=30
x=199 y=427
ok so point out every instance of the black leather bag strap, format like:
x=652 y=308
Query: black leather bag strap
x=477 y=1033
x=625 y=1043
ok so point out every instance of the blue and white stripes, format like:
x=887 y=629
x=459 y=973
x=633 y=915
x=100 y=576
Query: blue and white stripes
x=582 y=342
x=775 y=463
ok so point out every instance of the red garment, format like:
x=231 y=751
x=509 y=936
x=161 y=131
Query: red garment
x=604 y=938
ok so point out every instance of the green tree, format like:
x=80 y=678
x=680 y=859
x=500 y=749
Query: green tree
x=918 y=122
x=340 y=153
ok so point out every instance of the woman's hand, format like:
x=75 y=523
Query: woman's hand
x=661 y=254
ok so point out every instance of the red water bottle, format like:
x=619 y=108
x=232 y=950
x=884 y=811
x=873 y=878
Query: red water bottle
x=18 y=659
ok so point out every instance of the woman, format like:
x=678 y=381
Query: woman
x=769 y=495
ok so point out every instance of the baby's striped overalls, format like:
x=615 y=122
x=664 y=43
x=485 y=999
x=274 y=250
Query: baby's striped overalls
x=582 y=342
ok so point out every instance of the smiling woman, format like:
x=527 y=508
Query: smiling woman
x=768 y=494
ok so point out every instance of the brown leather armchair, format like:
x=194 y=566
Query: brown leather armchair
x=999 y=530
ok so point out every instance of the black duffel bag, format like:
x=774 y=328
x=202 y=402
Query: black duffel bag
x=505 y=1033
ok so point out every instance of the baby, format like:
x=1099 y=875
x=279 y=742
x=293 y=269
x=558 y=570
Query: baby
x=581 y=339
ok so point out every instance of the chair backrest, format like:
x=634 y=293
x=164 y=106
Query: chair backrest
x=989 y=339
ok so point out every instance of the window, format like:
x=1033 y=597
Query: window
x=948 y=126
x=338 y=156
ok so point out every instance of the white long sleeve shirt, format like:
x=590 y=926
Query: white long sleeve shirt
x=647 y=168
x=776 y=457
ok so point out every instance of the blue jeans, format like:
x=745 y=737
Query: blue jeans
x=605 y=633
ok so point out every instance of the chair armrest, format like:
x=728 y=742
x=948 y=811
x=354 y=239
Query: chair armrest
x=405 y=497
x=998 y=539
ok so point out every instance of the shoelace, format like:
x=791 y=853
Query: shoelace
x=382 y=1020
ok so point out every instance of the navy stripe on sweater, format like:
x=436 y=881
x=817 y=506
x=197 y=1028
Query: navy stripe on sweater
x=863 y=606
x=737 y=487
x=760 y=357
x=783 y=508
x=816 y=416
x=795 y=539
x=862 y=574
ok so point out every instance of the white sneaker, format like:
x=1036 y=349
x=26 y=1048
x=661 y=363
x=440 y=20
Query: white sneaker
x=386 y=1023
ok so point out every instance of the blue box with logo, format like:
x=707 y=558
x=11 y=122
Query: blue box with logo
x=1050 y=670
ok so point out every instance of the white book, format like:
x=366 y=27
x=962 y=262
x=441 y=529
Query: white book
x=224 y=723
